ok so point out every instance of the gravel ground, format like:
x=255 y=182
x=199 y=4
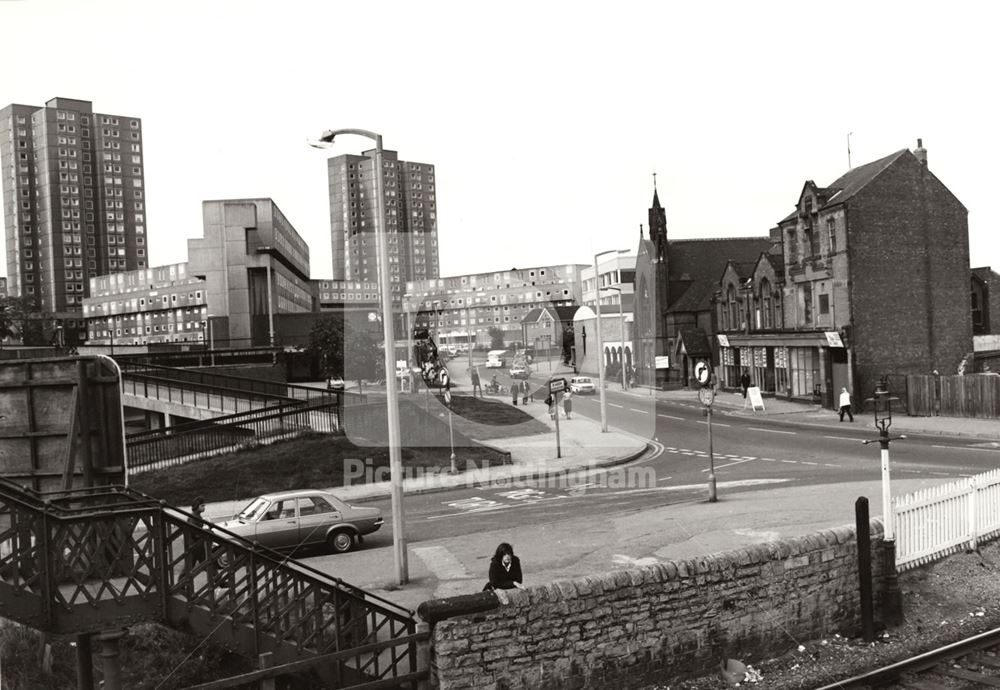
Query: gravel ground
x=943 y=602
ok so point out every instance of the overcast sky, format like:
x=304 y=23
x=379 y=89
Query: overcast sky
x=545 y=120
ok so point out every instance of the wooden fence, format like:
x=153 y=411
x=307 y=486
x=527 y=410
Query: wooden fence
x=973 y=395
x=940 y=520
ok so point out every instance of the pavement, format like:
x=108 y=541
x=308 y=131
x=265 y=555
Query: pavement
x=573 y=548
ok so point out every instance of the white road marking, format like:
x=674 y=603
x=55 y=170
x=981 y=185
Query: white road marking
x=845 y=438
x=988 y=450
x=730 y=464
x=772 y=431
x=668 y=416
x=632 y=409
x=615 y=405
x=714 y=423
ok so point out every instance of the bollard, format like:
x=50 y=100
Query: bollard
x=865 y=568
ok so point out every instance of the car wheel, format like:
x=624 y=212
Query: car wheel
x=341 y=541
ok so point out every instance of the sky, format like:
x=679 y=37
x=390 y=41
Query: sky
x=545 y=121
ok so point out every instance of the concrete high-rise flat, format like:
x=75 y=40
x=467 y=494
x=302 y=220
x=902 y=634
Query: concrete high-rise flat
x=411 y=219
x=74 y=200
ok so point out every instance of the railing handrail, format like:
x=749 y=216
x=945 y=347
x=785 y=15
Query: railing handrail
x=252 y=384
x=262 y=413
x=237 y=393
x=47 y=503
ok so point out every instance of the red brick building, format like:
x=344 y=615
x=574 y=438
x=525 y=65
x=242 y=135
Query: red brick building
x=872 y=279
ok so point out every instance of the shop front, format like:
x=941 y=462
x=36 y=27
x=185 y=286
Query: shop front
x=801 y=366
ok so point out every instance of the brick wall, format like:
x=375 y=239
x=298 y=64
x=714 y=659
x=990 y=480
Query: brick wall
x=909 y=255
x=666 y=621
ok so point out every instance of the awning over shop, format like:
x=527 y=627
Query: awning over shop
x=812 y=339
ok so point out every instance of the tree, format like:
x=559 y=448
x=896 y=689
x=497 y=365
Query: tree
x=363 y=355
x=496 y=338
x=326 y=343
x=21 y=317
x=345 y=351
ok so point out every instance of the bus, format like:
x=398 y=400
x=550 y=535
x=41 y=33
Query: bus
x=495 y=359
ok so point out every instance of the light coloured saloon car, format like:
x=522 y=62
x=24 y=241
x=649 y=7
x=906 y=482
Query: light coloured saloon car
x=582 y=384
x=289 y=520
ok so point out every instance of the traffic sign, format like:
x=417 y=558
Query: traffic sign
x=556 y=385
x=702 y=372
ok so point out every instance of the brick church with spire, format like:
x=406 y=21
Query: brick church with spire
x=675 y=281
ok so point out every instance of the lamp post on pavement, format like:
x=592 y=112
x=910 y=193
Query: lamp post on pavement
x=621 y=327
x=893 y=599
x=600 y=345
x=391 y=397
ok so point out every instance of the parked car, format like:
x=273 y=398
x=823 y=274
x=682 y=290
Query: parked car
x=288 y=520
x=520 y=371
x=335 y=383
x=582 y=384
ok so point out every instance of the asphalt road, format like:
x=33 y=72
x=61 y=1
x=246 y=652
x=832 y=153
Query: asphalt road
x=748 y=453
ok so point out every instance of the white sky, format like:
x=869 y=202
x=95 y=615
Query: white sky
x=545 y=120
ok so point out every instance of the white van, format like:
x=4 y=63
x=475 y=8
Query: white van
x=495 y=359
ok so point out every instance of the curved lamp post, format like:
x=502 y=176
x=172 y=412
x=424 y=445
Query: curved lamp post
x=391 y=400
x=600 y=344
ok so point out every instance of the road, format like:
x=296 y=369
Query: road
x=748 y=452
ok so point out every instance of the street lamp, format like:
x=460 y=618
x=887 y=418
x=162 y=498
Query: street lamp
x=391 y=399
x=621 y=328
x=882 y=403
x=600 y=345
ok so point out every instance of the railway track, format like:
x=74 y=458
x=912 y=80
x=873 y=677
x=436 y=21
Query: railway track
x=970 y=663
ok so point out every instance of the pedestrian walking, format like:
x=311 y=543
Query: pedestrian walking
x=568 y=403
x=745 y=382
x=505 y=570
x=514 y=392
x=845 y=404
x=475 y=383
x=524 y=392
x=550 y=401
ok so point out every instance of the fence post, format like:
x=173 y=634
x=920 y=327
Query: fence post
x=973 y=514
x=863 y=527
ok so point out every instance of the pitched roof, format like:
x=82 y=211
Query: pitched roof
x=695 y=342
x=567 y=313
x=696 y=265
x=853 y=181
x=850 y=183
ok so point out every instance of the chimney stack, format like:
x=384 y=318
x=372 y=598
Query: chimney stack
x=921 y=152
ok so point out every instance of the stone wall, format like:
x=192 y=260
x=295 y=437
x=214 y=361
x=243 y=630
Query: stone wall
x=654 y=623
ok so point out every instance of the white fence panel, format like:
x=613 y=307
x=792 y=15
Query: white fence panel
x=940 y=520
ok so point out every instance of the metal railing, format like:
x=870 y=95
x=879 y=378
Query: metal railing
x=86 y=560
x=178 y=444
x=255 y=387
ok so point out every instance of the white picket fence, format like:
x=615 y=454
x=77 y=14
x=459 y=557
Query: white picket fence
x=934 y=522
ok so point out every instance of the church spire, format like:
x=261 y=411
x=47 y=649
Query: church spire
x=640 y=232
x=656 y=196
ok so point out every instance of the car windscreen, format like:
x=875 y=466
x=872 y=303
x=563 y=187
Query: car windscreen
x=253 y=510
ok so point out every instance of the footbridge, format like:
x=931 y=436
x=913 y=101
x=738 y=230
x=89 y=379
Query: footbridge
x=199 y=395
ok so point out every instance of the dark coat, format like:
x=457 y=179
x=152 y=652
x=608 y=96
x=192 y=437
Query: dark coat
x=501 y=578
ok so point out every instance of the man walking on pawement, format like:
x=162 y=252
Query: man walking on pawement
x=845 y=404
